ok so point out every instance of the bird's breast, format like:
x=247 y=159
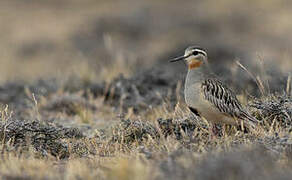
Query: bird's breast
x=193 y=95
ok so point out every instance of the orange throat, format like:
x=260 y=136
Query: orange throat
x=194 y=64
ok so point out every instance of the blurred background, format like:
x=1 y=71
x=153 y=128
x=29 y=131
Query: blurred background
x=97 y=40
x=62 y=93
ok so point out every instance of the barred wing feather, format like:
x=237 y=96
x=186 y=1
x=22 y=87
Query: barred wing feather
x=222 y=98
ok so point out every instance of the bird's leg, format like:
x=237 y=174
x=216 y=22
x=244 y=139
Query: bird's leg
x=223 y=130
x=242 y=125
x=212 y=131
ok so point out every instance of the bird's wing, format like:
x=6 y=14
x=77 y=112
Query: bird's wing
x=222 y=98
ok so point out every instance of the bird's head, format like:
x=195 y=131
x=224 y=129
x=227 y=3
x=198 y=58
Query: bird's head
x=194 y=57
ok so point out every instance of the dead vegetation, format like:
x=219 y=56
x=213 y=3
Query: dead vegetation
x=147 y=133
x=274 y=107
x=175 y=148
x=87 y=91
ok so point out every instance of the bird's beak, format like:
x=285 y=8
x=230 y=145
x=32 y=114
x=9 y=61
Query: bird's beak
x=178 y=59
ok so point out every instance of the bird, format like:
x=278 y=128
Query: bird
x=208 y=97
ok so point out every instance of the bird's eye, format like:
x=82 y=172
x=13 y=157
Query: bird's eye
x=195 y=53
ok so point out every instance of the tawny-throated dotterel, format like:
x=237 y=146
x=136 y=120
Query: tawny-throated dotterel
x=207 y=96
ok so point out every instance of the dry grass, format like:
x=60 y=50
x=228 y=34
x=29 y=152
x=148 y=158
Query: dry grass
x=146 y=149
x=87 y=93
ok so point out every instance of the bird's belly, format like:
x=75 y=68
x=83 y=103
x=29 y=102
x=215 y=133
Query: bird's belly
x=213 y=115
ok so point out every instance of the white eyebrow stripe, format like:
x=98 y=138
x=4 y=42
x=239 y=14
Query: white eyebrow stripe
x=199 y=50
